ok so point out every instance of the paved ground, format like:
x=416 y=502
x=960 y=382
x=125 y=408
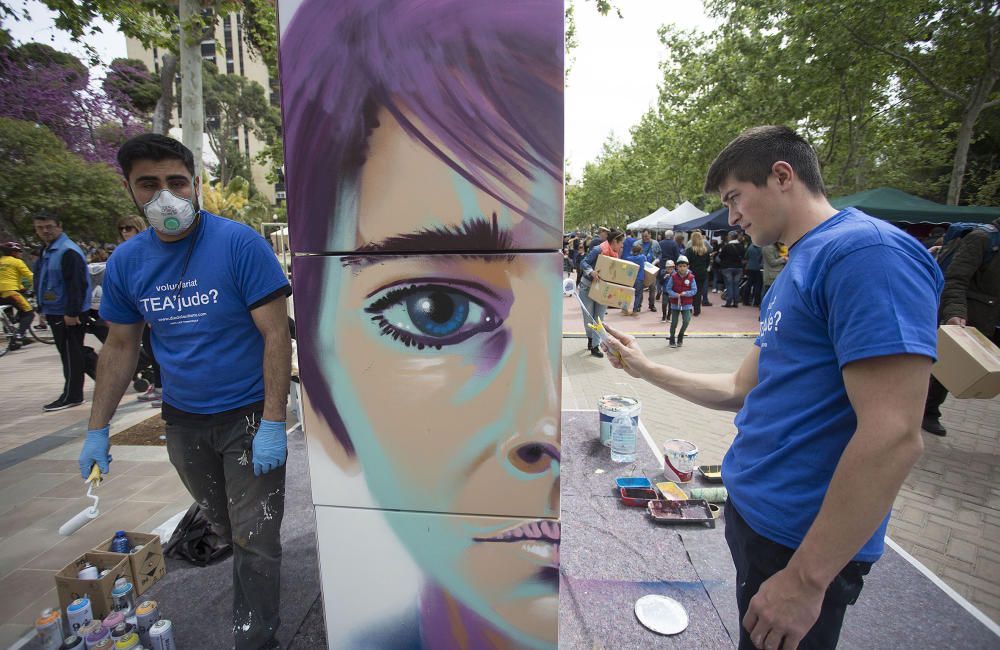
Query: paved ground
x=947 y=516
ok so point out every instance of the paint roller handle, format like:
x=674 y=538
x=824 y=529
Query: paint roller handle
x=95 y=450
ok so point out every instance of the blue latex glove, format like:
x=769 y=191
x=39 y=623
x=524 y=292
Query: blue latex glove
x=95 y=450
x=270 y=447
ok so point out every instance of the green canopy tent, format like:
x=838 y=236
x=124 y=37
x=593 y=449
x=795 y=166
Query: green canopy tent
x=899 y=207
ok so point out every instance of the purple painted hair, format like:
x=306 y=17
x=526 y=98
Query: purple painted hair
x=485 y=79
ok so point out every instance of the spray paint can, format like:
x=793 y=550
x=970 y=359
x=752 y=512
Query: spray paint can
x=123 y=598
x=79 y=614
x=105 y=644
x=161 y=635
x=48 y=627
x=121 y=630
x=88 y=572
x=113 y=619
x=72 y=642
x=127 y=642
x=146 y=614
x=96 y=634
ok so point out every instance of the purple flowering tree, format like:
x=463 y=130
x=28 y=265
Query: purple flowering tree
x=51 y=88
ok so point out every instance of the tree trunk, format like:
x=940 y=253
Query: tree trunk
x=969 y=116
x=161 y=116
x=192 y=105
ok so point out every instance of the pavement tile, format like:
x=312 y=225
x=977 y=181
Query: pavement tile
x=127 y=515
x=26 y=585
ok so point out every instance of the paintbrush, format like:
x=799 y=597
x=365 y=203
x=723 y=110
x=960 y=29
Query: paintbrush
x=84 y=516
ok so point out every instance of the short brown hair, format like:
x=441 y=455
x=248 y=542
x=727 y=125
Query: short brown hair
x=750 y=156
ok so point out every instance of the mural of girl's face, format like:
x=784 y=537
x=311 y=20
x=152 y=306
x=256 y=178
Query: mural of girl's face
x=444 y=370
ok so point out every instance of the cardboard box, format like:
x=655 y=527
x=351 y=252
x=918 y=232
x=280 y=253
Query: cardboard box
x=649 y=279
x=612 y=295
x=70 y=587
x=616 y=271
x=147 y=563
x=968 y=363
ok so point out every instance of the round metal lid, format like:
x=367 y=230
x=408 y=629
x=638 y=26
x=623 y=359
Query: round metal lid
x=661 y=614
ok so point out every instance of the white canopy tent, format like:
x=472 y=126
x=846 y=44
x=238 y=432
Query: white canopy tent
x=650 y=220
x=685 y=212
x=682 y=213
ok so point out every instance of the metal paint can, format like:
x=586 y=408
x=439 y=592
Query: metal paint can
x=123 y=598
x=122 y=630
x=72 y=642
x=127 y=642
x=88 y=572
x=161 y=635
x=94 y=634
x=679 y=460
x=79 y=614
x=146 y=614
x=113 y=619
x=611 y=406
x=105 y=644
x=48 y=628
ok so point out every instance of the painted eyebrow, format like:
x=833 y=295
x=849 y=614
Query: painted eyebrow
x=474 y=239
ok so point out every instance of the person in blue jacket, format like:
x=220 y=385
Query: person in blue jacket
x=62 y=284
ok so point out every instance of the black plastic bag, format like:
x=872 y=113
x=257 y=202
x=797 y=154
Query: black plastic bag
x=194 y=540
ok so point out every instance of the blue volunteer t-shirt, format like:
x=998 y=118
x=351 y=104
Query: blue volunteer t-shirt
x=208 y=347
x=854 y=287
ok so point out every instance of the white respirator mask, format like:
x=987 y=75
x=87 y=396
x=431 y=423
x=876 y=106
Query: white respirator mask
x=168 y=213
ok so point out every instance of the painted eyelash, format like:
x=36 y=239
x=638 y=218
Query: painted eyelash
x=392 y=297
x=395 y=296
x=398 y=335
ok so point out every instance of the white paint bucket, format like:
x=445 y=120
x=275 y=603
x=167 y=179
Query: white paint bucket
x=679 y=460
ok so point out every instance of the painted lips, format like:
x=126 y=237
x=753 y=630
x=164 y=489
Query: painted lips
x=539 y=540
x=540 y=529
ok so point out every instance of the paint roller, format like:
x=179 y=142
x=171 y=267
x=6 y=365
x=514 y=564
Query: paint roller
x=569 y=287
x=84 y=516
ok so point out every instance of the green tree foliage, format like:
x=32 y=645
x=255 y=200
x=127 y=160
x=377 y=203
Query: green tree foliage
x=131 y=78
x=38 y=172
x=889 y=93
x=233 y=101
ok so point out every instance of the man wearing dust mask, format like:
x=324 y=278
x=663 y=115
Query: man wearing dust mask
x=214 y=296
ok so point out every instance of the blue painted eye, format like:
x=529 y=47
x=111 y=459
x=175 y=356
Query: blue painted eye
x=437 y=313
x=431 y=315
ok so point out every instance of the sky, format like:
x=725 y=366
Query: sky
x=614 y=78
x=612 y=83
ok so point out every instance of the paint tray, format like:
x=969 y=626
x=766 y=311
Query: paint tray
x=692 y=511
x=637 y=497
x=711 y=473
x=632 y=482
x=671 y=492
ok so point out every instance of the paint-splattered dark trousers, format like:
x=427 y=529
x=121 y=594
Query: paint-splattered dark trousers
x=758 y=558
x=210 y=461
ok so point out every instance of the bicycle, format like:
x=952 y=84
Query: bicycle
x=8 y=327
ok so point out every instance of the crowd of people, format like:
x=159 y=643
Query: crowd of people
x=689 y=267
